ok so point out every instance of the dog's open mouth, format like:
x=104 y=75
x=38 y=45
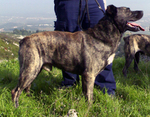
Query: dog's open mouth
x=134 y=27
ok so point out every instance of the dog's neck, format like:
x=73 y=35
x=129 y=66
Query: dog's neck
x=111 y=19
x=103 y=31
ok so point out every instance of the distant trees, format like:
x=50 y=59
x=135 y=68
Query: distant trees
x=22 y=32
x=37 y=31
x=25 y=32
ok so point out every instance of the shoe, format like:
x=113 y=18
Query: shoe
x=112 y=94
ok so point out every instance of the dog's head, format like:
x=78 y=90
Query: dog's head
x=122 y=16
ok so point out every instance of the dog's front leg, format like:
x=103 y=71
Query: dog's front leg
x=88 y=85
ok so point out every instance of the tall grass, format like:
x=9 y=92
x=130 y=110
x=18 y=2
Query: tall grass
x=49 y=100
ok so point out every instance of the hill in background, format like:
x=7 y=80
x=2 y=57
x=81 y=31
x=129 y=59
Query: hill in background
x=9 y=46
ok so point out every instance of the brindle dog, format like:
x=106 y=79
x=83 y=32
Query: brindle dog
x=134 y=45
x=84 y=52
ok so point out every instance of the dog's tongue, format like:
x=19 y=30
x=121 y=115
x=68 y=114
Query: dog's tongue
x=136 y=25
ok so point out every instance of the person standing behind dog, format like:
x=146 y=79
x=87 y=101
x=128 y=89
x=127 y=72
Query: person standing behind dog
x=68 y=14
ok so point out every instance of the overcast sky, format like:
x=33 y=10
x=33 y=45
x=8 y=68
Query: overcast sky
x=28 y=7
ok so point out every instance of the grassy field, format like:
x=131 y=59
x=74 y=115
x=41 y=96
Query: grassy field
x=48 y=100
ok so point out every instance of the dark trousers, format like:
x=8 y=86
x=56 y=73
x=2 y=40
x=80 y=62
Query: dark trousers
x=67 y=12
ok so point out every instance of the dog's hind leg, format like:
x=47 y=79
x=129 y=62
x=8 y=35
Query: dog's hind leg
x=128 y=61
x=88 y=85
x=136 y=61
x=25 y=81
x=28 y=72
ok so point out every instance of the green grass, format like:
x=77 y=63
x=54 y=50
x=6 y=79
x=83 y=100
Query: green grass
x=48 y=100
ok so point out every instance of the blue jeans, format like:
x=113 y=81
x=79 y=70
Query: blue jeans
x=67 y=12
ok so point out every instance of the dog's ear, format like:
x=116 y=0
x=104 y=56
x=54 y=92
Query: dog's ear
x=111 y=10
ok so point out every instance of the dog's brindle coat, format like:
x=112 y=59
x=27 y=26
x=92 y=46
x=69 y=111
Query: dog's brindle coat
x=134 y=45
x=84 y=52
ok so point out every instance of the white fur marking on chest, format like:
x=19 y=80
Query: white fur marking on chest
x=110 y=59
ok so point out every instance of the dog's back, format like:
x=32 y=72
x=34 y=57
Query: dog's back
x=137 y=42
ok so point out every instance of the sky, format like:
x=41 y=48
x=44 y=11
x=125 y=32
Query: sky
x=38 y=7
